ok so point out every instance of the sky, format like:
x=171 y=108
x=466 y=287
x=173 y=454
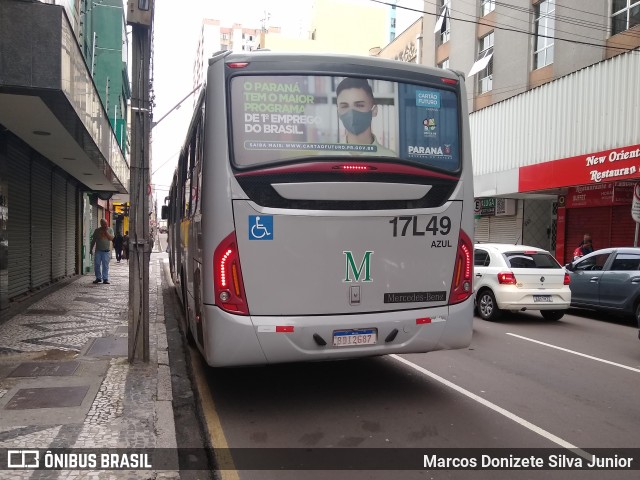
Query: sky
x=176 y=31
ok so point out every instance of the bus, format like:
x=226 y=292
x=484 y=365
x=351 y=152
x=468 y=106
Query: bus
x=321 y=209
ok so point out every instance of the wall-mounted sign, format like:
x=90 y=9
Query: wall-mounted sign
x=590 y=169
x=487 y=206
x=635 y=205
x=600 y=195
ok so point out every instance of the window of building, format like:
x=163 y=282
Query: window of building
x=545 y=13
x=487 y=6
x=624 y=15
x=484 y=64
x=444 y=64
x=443 y=25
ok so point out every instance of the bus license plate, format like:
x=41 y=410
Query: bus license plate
x=542 y=298
x=354 y=338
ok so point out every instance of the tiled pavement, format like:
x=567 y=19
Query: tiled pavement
x=65 y=381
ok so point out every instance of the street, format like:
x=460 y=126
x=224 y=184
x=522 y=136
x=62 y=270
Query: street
x=523 y=383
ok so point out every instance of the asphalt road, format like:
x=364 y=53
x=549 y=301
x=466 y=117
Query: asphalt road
x=523 y=383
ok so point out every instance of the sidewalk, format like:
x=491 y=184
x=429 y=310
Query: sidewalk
x=65 y=381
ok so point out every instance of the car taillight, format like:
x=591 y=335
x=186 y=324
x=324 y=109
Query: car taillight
x=228 y=287
x=506 y=278
x=567 y=279
x=461 y=286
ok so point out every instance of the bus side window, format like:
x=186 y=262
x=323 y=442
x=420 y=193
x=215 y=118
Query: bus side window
x=180 y=182
x=196 y=182
x=190 y=183
x=186 y=191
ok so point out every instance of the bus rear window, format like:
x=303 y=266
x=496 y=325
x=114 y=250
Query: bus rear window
x=279 y=118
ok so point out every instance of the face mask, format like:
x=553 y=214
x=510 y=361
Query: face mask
x=356 y=121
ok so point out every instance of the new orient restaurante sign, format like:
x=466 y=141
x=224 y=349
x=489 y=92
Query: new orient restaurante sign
x=609 y=165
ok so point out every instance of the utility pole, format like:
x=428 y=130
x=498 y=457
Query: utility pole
x=140 y=17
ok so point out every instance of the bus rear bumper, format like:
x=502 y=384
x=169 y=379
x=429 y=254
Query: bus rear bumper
x=233 y=340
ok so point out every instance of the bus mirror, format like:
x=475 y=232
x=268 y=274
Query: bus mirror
x=164 y=212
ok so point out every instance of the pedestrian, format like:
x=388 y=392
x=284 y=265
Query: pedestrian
x=125 y=245
x=117 y=245
x=101 y=240
x=585 y=247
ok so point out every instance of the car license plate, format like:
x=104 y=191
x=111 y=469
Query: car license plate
x=354 y=338
x=542 y=298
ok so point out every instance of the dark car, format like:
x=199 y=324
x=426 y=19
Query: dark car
x=607 y=279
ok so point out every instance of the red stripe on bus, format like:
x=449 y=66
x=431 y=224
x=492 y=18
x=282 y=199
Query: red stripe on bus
x=422 y=321
x=334 y=167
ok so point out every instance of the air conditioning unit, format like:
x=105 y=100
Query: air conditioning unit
x=505 y=206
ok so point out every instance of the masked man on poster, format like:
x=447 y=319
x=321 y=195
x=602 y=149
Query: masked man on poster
x=356 y=109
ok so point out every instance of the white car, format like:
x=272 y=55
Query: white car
x=517 y=277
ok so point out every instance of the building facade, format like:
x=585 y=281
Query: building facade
x=59 y=156
x=215 y=37
x=104 y=43
x=551 y=88
x=508 y=48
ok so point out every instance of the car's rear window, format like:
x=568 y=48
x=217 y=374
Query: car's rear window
x=531 y=260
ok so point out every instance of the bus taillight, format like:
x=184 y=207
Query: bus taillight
x=227 y=277
x=462 y=283
x=353 y=168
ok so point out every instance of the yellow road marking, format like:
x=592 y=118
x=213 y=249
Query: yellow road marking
x=211 y=419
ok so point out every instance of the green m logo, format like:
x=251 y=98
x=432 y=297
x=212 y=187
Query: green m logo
x=357 y=271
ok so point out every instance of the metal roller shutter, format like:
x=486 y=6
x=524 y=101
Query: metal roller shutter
x=59 y=226
x=504 y=230
x=72 y=244
x=593 y=220
x=40 y=224
x=19 y=220
x=498 y=230
x=623 y=228
x=482 y=230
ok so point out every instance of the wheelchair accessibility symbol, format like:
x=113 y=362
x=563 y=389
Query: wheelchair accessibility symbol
x=260 y=227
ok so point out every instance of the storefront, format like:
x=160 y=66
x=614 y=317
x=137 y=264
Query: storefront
x=569 y=152
x=598 y=201
x=497 y=220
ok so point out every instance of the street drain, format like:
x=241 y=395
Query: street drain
x=45 y=369
x=51 y=397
